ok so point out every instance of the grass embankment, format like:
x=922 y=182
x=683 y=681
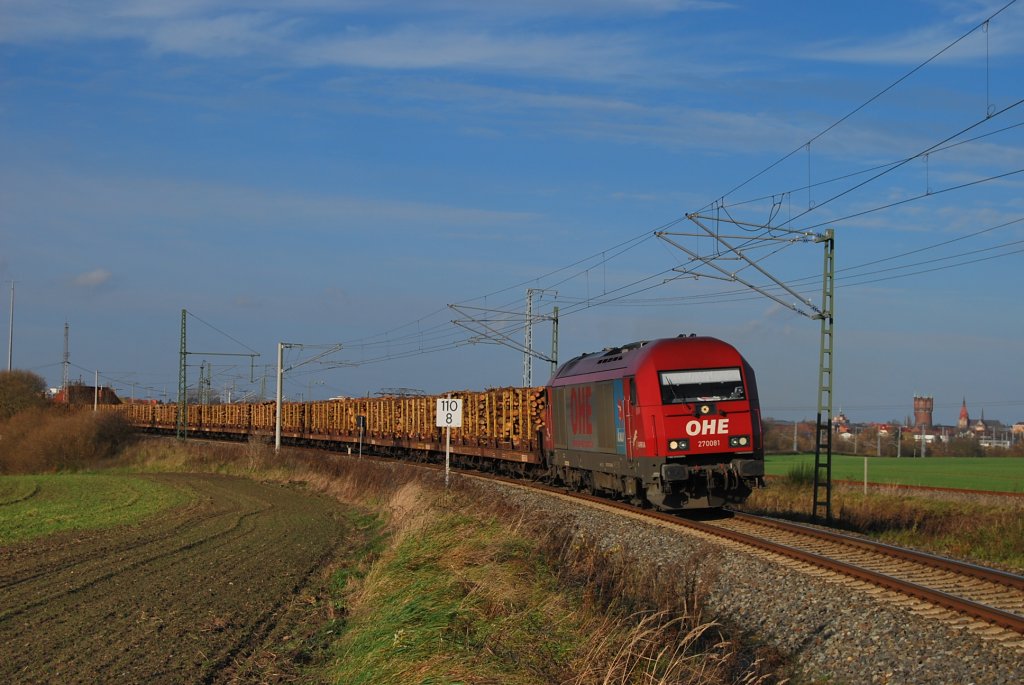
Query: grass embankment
x=458 y=599
x=987 y=530
x=996 y=474
x=38 y=505
x=470 y=588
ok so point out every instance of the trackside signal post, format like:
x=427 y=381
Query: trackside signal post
x=449 y=415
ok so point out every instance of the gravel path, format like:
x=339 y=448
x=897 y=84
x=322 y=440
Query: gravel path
x=836 y=630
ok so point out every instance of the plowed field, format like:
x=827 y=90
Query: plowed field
x=197 y=594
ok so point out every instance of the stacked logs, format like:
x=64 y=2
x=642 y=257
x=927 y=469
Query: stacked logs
x=538 y=407
x=508 y=415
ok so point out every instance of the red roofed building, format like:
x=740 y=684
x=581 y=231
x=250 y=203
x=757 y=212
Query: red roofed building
x=78 y=394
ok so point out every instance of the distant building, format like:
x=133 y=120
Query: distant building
x=965 y=419
x=988 y=432
x=78 y=394
x=923 y=407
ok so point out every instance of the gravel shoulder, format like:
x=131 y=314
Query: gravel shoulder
x=834 y=630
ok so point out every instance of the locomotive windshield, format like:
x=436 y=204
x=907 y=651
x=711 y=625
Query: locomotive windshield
x=705 y=385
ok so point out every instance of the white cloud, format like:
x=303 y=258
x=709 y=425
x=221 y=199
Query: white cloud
x=412 y=47
x=92 y=279
x=129 y=208
x=1004 y=36
x=443 y=34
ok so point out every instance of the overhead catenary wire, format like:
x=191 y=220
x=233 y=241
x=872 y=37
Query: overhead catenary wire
x=226 y=335
x=622 y=295
x=900 y=164
x=867 y=102
x=859 y=172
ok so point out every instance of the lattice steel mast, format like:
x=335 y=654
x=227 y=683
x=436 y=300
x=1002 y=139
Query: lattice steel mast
x=823 y=442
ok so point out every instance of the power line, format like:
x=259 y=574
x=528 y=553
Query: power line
x=900 y=164
x=877 y=167
x=229 y=337
x=864 y=104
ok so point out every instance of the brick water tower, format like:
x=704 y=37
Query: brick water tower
x=923 y=407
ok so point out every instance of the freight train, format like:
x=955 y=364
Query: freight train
x=671 y=423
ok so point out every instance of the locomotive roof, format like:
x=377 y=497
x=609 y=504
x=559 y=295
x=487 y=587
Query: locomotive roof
x=679 y=352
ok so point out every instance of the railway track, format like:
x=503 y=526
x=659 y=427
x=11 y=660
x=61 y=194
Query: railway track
x=987 y=594
x=961 y=592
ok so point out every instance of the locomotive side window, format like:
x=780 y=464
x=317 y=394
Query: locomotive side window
x=705 y=385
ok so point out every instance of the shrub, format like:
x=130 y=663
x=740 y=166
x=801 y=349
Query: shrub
x=39 y=440
x=19 y=391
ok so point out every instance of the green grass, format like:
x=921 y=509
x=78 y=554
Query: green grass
x=39 y=505
x=998 y=474
x=457 y=601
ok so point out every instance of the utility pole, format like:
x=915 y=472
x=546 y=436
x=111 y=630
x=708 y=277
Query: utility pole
x=487 y=329
x=67 y=365
x=182 y=426
x=823 y=444
x=205 y=382
x=10 y=339
x=528 y=344
x=554 y=340
x=280 y=378
x=327 y=349
x=528 y=351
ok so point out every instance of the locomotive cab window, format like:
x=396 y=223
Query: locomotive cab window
x=705 y=385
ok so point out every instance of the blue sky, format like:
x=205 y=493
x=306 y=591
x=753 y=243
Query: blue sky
x=340 y=172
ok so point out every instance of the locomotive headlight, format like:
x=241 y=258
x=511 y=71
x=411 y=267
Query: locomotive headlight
x=739 y=441
x=678 y=445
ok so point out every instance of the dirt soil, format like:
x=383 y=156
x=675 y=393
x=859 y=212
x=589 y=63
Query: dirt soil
x=205 y=593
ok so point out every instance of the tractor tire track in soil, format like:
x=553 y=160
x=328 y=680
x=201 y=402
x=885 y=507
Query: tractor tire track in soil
x=191 y=596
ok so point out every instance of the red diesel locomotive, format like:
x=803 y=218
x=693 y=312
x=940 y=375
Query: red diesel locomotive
x=674 y=422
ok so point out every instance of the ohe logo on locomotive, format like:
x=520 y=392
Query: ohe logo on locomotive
x=707 y=427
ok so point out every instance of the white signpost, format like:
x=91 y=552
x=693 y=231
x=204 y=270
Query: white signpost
x=449 y=415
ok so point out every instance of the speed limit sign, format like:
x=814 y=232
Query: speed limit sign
x=449 y=413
